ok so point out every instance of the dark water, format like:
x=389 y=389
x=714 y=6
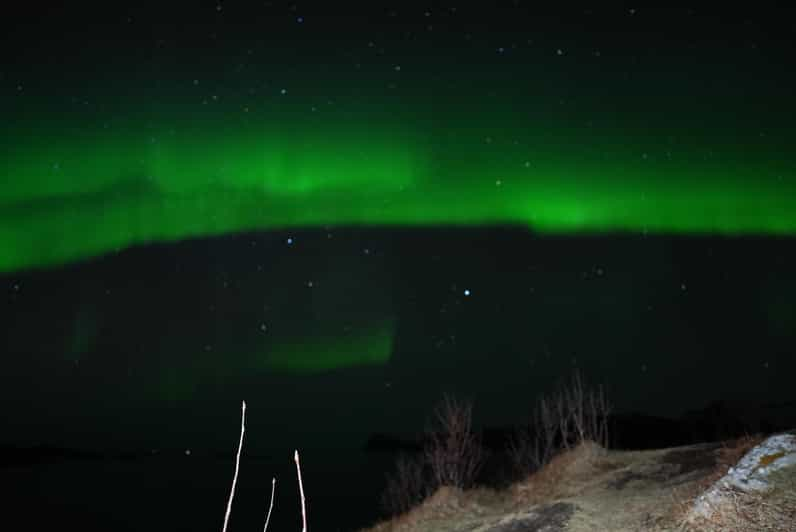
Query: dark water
x=190 y=493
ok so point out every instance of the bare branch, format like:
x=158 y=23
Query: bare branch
x=566 y=417
x=271 y=506
x=407 y=486
x=237 y=464
x=301 y=491
x=453 y=451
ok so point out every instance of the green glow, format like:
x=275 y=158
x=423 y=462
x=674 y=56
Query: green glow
x=180 y=376
x=174 y=385
x=369 y=347
x=72 y=194
x=85 y=330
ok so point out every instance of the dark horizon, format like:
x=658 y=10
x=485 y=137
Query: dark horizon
x=621 y=291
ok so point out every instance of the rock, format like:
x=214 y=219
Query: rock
x=751 y=473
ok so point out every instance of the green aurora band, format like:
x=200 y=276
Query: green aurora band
x=372 y=346
x=71 y=193
x=366 y=344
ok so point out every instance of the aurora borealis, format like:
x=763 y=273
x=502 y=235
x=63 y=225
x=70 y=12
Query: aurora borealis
x=579 y=143
x=338 y=213
x=169 y=182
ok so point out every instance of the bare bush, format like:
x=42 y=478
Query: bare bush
x=451 y=456
x=407 y=486
x=585 y=413
x=534 y=446
x=453 y=451
x=568 y=416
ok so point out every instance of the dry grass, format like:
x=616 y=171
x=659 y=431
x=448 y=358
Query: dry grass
x=445 y=507
x=587 y=477
x=563 y=476
x=446 y=503
x=727 y=456
x=562 y=427
x=740 y=511
x=571 y=414
x=564 y=466
x=449 y=507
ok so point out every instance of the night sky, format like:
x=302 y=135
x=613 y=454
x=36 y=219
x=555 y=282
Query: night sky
x=339 y=213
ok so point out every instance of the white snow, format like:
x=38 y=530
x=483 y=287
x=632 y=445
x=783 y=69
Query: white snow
x=751 y=472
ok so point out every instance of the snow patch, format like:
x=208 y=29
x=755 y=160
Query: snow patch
x=751 y=473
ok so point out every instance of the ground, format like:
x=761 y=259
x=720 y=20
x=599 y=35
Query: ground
x=592 y=489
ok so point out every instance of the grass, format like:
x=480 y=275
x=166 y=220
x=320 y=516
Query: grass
x=558 y=457
x=562 y=457
x=741 y=511
x=453 y=456
x=572 y=416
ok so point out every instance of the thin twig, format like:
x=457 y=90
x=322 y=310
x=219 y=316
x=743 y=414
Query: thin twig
x=271 y=507
x=301 y=491
x=237 y=464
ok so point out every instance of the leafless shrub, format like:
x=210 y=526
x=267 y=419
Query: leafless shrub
x=407 y=486
x=589 y=410
x=451 y=456
x=533 y=446
x=453 y=451
x=570 y=415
